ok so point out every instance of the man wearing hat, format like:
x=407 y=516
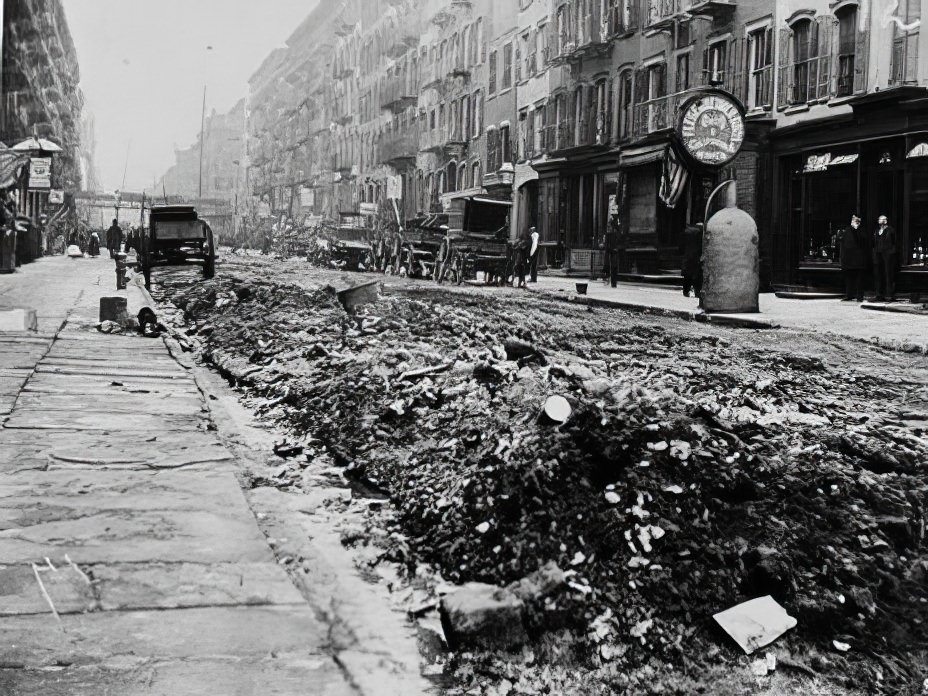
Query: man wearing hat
x=114 y=238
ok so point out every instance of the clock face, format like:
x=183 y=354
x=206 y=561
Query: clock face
x=712 y=129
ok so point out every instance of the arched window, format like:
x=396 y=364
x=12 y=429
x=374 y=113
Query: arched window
x=462 y=176
x=475 y=179
x=451 y=176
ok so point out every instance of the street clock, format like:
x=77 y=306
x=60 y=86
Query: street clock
x=711 y=128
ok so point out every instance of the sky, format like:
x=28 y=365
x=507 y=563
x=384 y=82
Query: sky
x=144 y=64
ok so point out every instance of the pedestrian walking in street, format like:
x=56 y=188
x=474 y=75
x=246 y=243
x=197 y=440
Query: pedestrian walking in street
x=884 y=260
x=533 y=254
x=114 y=238
x=522 y=248
x=853 y=244
x=93 y=248
x=692 y=259
x=7 y=233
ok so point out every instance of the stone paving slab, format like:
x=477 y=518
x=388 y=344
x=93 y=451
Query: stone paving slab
x=120 y=535
x=117 y=490
x=30 y=642
x=160 y=405
x=104 y=370
x=79 y=380
x=104 y=421
x=91 y=363
x=287 y=676
x=26 y=449
x=77 y=589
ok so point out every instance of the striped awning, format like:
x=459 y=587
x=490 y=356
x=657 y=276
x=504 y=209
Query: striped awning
x=645 y=154
x=12 y=164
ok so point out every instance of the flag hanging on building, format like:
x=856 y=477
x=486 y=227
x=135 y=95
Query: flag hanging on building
x=674 y=179
x=11 y=166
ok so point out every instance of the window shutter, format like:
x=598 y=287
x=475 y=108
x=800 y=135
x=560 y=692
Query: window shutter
x=550 y=124
x=826 y=52
x=691 y=72
x=482 y=39
x=861 y=53
x=532 y=58
x=706 y=67
x=736 y=75
x=911 y=57
x=661 y=70
x=609 y=131
x=785 y=69
x=518 y=60
x=834 y=50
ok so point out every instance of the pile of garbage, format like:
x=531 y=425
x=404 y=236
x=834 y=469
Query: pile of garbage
x=669 y=477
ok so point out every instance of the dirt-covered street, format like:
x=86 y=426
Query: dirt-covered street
x=700 y=467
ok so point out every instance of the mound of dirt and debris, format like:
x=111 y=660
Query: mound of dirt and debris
x=695 y=470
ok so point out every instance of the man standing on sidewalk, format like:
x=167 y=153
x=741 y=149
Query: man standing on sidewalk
x=853 y=243
x=533 y=255
x=114 y=238
x=884 y=260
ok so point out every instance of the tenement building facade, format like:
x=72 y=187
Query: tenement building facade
x=40 y=93
x=567 y=111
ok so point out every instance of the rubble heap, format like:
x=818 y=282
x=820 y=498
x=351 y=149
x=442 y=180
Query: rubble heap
x=692 y=473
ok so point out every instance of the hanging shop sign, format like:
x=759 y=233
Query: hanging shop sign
x=56 y=197
x=711 y=128
x=817 y=163
x=368 y=209
x=307 y=197
x=40 y=173
x=395 y=187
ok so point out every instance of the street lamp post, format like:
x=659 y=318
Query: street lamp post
x=202 y=141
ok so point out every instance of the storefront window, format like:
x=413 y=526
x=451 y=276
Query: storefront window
x=830 y=200
x=918 y=214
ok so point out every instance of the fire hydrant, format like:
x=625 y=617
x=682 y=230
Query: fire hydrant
x=121 y=266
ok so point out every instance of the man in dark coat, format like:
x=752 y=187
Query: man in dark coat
x=522 y=250
x=884 y=260
x=692 y=259
x=114 y=238
x=854 y=245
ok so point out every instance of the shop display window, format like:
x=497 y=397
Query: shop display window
x=831 y=189
x=917 y=252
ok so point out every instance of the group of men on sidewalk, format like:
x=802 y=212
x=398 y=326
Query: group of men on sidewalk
x=855 y=247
